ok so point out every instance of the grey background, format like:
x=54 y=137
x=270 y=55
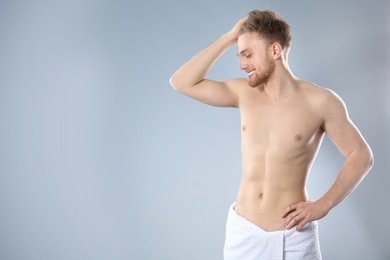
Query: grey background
x=101 y=159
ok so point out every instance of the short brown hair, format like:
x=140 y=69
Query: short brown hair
x=268 y=25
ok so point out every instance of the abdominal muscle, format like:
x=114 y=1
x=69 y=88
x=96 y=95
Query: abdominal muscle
x=265 y=192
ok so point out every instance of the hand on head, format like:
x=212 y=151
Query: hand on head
x=234 y=32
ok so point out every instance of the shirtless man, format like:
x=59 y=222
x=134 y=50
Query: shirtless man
x=283 y=121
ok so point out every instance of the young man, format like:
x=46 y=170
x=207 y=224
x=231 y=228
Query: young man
x=283 y=121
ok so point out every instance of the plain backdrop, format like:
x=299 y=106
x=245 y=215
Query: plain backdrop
x=101 y=159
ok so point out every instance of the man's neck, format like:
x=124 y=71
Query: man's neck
x=281 y=84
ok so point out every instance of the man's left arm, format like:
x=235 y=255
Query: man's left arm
x=359 y=160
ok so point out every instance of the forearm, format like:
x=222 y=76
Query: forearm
x=355 y=168
x=194 y=71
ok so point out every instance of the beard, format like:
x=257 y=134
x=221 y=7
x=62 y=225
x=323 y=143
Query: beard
x=263 y=76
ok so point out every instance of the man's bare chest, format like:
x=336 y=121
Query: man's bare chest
x=292 y=123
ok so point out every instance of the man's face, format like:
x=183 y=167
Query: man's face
x=255 y=58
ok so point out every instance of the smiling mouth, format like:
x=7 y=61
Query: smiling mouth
x=251 y=73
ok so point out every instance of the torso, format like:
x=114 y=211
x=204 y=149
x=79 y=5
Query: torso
x=280 y=140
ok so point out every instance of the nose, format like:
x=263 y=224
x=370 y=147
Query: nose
x=243 y=64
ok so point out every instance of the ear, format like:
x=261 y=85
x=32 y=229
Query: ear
x=277 y=50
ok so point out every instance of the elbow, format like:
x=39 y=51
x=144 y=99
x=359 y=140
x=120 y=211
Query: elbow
x=363 y=158
x=175 y=82
x=172 y=82
x=181 y=83
x=369 y=158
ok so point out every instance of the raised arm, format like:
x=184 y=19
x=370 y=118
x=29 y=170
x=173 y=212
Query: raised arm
x=190 y=78
x=359 y=160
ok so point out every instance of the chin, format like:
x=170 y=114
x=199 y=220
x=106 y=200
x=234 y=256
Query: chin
x=256 y=82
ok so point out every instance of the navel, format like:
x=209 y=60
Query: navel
x=298 y=137
x=243 y=128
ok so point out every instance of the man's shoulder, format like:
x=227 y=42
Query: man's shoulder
x=239 y=86
x=323 y=100
x=317 y=93
x=237 y=82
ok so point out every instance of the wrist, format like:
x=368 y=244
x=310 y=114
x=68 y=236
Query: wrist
x=230 y=38
x=326 y=203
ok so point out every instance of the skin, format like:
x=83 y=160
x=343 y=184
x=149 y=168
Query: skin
x=283 y=121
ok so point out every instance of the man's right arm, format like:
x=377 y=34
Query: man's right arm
x=190 y=78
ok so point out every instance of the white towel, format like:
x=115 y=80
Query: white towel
x=247 y=241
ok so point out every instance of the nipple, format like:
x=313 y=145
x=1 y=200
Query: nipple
x=298 y=137
x=243 y=128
